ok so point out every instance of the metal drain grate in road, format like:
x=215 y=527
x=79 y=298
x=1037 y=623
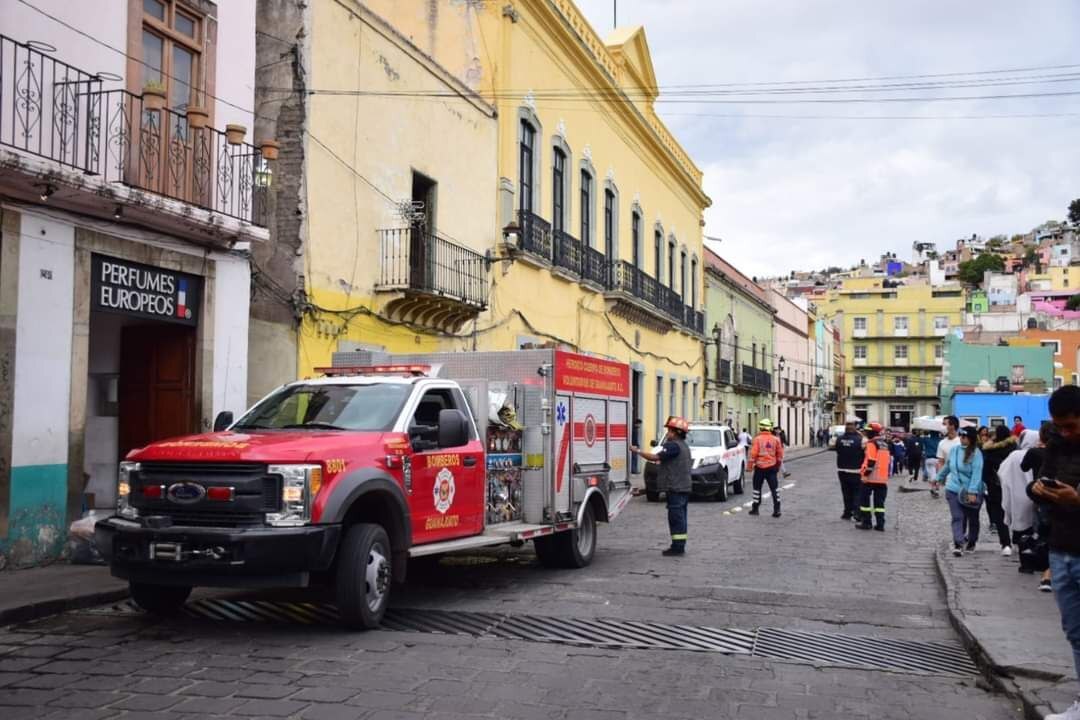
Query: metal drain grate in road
x=828 y=649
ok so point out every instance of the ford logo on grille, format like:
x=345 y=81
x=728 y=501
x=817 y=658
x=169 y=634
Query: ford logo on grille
x=185 y=493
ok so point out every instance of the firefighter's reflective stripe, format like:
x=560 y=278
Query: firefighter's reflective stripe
x=678 y=536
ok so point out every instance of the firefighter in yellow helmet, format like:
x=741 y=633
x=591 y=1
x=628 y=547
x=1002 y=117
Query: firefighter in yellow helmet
x=673 y=476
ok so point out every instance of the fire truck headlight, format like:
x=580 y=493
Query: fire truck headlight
x=299 y=484
x=123 y=490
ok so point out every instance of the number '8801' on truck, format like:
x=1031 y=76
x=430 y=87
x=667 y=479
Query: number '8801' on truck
x=386 y=457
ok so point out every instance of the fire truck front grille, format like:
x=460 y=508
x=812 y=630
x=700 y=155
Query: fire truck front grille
x=195 y=518
x=255 y=493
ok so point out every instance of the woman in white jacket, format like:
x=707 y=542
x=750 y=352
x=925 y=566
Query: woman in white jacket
x=1019 y=510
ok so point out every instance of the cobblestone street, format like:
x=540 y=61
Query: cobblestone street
x=808 y=571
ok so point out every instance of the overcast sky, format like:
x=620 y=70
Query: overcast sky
x=807 y=193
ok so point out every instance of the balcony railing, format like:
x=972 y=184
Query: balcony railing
x=535 y=234
x=725 y=371
x=61 y=113
x=752 y=377
x=594 y=266
x=416 y=260
x=567 y=251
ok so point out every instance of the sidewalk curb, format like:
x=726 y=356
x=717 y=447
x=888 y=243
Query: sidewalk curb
x=1000 y=678
x=36 y=611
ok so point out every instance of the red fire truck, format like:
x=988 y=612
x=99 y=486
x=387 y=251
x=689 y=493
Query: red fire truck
x=345 y=477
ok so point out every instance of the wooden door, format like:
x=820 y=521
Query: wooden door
x=157 y=384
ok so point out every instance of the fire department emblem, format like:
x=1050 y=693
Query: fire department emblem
x=590 y=430
x=444 y=490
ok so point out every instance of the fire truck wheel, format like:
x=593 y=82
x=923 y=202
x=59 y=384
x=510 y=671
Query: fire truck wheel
x=740 y=484
x=579 y=544
x=364 y=575
x=159 y=599
x=547 y=551
x=652 y=496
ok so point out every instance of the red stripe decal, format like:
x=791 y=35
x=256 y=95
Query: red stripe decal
x=564 y=447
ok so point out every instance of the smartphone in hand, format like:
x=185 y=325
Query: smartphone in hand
x=1049 y=482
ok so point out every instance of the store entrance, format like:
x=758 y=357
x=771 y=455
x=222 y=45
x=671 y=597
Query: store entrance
x=141 y=388
x=156 y=389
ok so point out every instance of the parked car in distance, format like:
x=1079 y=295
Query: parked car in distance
x=719 y=463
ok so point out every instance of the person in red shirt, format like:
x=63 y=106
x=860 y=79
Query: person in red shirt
x=875 y=479
x=766 y=458
x=1018 y=426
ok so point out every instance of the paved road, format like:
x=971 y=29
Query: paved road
x=806 y=571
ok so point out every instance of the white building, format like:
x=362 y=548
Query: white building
x=128 y=219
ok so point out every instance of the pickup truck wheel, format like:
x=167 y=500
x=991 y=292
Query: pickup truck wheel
x=364 y=575
x=740 y=484
x=652 y=496
x=159 y=599
x=722 y=479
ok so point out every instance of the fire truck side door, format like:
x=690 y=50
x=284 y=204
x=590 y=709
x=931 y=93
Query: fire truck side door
x=447 y=500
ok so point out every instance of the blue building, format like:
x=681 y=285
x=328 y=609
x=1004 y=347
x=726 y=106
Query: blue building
x=1000 y=408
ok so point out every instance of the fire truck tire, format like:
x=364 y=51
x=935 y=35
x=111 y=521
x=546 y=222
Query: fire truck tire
x=159 y=599
x=652 y=496
x=364 y=575
x=548 y=551
x=740 y=484
x=578 y=546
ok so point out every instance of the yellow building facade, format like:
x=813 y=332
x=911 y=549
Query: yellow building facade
x=599 y=209
x=892 y=340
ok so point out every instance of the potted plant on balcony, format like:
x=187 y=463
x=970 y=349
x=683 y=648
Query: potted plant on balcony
x=235 y=134
x=269 y=149
x=197 y=116
x=153 y=95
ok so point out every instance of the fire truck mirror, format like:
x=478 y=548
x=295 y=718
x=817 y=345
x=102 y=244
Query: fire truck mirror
x=453 y=428
x=223 y=420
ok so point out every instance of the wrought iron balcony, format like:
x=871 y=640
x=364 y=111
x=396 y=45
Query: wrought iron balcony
x=56 y=111
x=754 y=379
x=567 y=251
x=594 y=266
x=420 y=262
x=535 y=234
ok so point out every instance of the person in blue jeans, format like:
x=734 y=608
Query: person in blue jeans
x=962 y=474
x=1056 y=488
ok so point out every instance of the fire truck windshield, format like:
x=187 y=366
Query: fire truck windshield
x=328 y=407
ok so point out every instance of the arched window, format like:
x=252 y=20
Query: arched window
x=558 y=190
x=682 y=275
x=635 y=237
x=693 y=282
x=586 y=207
x=526 y=166
x=609 y=224
x=658 y=252
x=671 y=262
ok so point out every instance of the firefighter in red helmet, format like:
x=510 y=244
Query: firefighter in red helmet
x=673 y=476
x=875 y=479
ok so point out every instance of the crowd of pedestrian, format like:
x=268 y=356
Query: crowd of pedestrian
x=1027 y=480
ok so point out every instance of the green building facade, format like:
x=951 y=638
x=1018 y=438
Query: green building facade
x=966 y=366
x=739 y=351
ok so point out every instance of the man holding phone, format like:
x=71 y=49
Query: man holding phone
x=1057 y=486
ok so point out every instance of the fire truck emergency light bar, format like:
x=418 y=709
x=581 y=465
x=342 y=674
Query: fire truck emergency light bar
x=404 y=370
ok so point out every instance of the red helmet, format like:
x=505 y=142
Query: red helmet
x=875 y=427
x=677 y=423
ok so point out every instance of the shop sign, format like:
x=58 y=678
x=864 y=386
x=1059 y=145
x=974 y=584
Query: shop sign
x=130 y=288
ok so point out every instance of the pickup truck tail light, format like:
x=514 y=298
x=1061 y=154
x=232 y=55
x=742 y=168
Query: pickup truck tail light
x=299 y=486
